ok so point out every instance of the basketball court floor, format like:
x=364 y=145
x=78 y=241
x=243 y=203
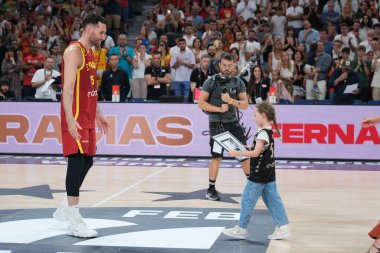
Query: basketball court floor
x=156 y=205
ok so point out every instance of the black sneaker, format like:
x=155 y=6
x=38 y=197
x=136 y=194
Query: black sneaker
x=212 y=194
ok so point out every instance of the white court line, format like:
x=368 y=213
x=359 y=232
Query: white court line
x=130 y=187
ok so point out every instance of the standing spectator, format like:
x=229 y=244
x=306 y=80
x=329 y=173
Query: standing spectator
x=157 y=77
x=287 y=72
x=290 y=41
x=331 y=15
x=226 y=12
x=211 y=34
x=10 y=69
x=140 y=62
x=112 y=14
x=199 y=75
x=100 y=59
x=363 y=68
x=124 y=4
x=29 y=65
x=211 y=52
x=336 y=51
x=348 y=15
x=294 y=14
x=365 y=27
x=125 y=54
x=188 y=36
x=368 y=41
x=198 y=51
x=114 y=75
x=323 y=37
x=299 y=76
x=42 y=81
x=348 y=40
x=341 y=78
x=165 y=55
x=55 y=52
x=278 y=22
x=183 y=62
x=246 y=9
x=40 y=29
x=274 y=57
x=308 y=36
x=375 y=84
x=322 y=64
x=313 y=14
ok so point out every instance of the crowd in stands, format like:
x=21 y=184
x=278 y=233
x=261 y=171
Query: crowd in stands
x=313 y=49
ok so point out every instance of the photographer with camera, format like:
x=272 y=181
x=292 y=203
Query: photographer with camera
x=221 y=96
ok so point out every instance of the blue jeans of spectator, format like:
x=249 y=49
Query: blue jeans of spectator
x=182 y=89
x=251 y=194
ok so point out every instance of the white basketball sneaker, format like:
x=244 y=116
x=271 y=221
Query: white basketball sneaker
x=78 y=228
x=236 y=232
x=280 y=233
x=63 y=213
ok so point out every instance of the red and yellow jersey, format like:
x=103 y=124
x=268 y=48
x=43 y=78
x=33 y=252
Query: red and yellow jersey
x=85 y=94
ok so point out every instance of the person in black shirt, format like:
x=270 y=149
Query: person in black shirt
x=262 y=178
x=258 y=86
x=199 y=75
x=340 y=79
x=157 y=77
x=114 y=76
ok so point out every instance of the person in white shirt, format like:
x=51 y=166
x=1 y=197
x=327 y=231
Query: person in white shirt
x=183 y=62
x=348 y=40
x=246 y=8
x=141 y=60
x=278 y=23
x=294 y=15
x=188 y=36
x=43 y=81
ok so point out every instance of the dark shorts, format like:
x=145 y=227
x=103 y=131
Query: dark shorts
x=233 y=127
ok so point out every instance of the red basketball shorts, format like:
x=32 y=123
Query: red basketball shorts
x=85 y=145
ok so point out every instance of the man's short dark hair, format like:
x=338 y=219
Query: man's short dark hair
x=227 y=57
x=157 y=53
x=92 y=19
x=181 y=39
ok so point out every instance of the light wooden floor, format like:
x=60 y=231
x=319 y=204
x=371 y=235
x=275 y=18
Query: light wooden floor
x=330 y=211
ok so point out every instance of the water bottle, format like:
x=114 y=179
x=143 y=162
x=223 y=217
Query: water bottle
x=115 y=93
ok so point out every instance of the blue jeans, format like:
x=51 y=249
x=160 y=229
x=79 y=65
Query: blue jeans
x=182 y=89
x=251 y=194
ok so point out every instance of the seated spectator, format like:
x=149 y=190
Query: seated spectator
x=10 y=69
x=55 y=52
x=308 y=35
x=42 y=81
x=115 y=75
x=5 y=92
x=258 y=86
x=341 y=78
x=157 y=77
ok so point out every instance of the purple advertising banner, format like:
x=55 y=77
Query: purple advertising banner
x=316 y=132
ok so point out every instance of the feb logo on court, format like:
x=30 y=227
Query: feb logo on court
x=133 y=230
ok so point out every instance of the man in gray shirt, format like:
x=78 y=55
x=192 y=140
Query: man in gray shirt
x=322 y=65
x=220 y=97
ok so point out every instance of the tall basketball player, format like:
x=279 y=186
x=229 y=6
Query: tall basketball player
x=79 y=112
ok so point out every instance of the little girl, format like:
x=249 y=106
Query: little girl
x=262 y=178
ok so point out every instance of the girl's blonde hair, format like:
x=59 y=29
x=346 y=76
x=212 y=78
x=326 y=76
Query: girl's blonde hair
x=268 y=109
